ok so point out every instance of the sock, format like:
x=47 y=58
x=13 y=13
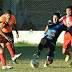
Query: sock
x=9 y=46
x=2 y=57
x=13 y=49
x=67 y=53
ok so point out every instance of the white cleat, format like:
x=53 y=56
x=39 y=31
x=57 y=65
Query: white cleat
x=46 y=65
x=35 y=56
x=15 y=62
x=7 y=67
x=16 y=56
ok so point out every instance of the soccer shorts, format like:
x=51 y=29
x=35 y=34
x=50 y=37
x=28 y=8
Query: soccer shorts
x=1 y=39
x=67 y=40
x=9 y=35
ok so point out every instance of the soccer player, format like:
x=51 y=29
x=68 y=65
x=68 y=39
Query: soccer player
x=4 y=38
x=7 y=20
x=67 y=20
x=50 y=38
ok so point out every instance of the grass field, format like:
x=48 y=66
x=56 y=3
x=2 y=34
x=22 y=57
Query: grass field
x=27 y=51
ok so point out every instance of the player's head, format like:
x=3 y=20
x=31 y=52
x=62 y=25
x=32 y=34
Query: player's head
x=56 y=17
x=69 y=10
x=8 y=13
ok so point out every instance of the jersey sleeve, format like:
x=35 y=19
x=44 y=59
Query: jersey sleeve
x=14 y=20
x=61 y=20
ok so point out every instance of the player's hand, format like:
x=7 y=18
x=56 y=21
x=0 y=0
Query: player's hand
x=6 y=23
x=9 y=39
x=17 y=35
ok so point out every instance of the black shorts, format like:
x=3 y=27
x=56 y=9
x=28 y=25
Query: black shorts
x=51 y=48
x=9 y=35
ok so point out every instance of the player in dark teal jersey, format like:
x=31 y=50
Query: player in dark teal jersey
x=50 y=38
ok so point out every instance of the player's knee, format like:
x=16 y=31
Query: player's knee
x=63 y=52
x=43 y=41
x=1 y=51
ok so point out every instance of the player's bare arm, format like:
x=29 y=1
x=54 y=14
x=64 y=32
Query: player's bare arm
x=15 y=27
x=46 y=29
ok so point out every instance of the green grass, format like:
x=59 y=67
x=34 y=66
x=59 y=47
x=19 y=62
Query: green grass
x=27 y=51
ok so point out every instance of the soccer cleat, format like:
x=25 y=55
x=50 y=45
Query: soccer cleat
x=14 y=62
x=7 y=67
x=46 y=64
x=35 y=56
x=16 y=56
x=70 y=65
x=67 y=58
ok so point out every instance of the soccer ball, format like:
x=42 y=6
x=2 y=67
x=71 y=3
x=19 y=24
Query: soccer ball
x=34 y=63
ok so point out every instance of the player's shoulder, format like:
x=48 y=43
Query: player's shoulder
x=64 y=16
x=13 y=16
x=2 y=17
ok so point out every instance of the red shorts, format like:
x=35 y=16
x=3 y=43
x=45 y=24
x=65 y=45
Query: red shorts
x=67 y=40
x=1 y=39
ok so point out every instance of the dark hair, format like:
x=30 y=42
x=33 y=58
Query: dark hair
x=69 y=6
x=8 y=12
x=57 y=14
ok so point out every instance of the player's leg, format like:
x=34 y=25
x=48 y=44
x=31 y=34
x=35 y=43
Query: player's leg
x=2 y=57
x=49 y=61
x=66 y=45
x=67 y=53
x=11 y=49
x=9 y=46
x=40 y=47
x=50 y=55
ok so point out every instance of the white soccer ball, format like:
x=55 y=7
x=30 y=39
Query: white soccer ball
x=34 y=63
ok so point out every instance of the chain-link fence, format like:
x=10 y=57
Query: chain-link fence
x=34 y=14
